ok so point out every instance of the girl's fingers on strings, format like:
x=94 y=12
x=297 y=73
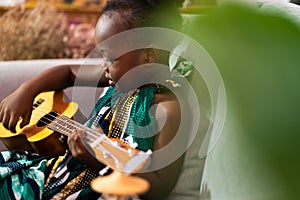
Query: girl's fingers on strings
x=12 y=124
x=5 y=121
x=97 y=128
x=81 y=133
x=25 y=120
x=1 y=113
x=71 y=137
x=74 y=136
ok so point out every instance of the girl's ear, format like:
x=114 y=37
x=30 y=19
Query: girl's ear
x=151 y=54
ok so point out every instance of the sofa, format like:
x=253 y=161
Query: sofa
x=14 y=73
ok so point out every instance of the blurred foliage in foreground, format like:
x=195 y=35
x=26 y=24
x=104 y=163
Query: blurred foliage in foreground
x=257 y=53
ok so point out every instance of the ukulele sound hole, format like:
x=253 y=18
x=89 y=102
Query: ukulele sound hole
x=47 y=119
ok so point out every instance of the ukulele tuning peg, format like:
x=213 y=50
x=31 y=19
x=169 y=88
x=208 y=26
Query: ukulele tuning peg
x=130 y=152
x=118 y=164
x=105 y=154
x=149 y=152
x=134 y=145
x=117 y=144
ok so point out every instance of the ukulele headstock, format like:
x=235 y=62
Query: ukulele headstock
x=118 y=155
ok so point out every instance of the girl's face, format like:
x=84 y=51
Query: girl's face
x=107 y=27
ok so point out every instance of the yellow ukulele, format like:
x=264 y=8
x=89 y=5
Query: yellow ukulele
x=51 y=119
x=36 y=136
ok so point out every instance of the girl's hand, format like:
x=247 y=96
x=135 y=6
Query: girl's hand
x=80 y=152
x=76 y=145
x=18 y=105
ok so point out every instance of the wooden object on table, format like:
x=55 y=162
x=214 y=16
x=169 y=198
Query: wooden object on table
x=120 y=185
x=124 y=160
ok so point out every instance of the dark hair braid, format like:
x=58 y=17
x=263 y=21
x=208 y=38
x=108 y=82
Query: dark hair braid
x=155 y=13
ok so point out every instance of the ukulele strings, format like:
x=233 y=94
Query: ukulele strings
x=92 y=133
x=95 y=135
x=76 y=125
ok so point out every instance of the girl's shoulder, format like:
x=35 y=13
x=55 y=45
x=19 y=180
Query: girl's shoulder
x=167 y=99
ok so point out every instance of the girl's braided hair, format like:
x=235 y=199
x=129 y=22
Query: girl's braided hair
x=150 y=13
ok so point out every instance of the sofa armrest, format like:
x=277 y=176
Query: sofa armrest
x=14 y=73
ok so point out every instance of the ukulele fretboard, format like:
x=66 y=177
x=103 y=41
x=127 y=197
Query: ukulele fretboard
x=65 y=126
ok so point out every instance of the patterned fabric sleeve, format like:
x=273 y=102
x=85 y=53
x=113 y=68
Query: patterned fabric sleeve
x=22 y=175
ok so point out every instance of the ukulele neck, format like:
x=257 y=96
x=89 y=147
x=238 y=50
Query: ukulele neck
x=65 y=126
x=110 y=151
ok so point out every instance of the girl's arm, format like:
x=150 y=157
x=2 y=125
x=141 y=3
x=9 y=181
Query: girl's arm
x=19 y=103
x=163 y=180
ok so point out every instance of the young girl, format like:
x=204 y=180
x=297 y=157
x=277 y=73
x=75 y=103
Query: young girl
x=70 y=176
